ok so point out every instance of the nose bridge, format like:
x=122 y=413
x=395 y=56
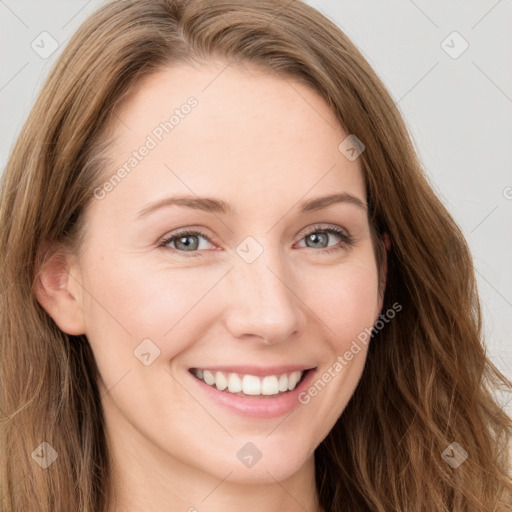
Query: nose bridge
x=262 y=300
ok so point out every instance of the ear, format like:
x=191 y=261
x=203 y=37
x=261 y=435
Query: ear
x=384 y=247
x=57 y=287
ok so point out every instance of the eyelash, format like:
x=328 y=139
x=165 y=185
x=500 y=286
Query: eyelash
x=346 y=239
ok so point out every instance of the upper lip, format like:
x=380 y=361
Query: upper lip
x=259 y=371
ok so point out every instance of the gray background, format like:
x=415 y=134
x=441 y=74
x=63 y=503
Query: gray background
x=458 y=110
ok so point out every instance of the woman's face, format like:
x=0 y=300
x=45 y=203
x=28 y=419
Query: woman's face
x=265 y=290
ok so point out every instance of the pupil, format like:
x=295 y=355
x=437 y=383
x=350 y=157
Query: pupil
x=315 y=237
x=188 y=245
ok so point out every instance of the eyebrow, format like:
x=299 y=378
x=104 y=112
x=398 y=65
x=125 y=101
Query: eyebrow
x=214 y=205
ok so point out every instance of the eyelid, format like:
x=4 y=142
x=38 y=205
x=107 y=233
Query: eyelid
x=347 y=240
x=326 y=227
x=344 y=234
x=182 y=233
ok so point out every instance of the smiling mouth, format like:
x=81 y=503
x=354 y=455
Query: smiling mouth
x=247 y=385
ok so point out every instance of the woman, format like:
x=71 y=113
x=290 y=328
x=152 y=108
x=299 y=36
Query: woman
x=227 y=282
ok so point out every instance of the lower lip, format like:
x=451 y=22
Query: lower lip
x=270 y=406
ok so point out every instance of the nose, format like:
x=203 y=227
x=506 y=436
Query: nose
x=263 y=300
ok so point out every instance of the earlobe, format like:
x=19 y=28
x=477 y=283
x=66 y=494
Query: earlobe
x=58 y=293
x=385 y=247
x=387 y=242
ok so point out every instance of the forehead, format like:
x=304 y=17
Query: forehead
x=241 y=134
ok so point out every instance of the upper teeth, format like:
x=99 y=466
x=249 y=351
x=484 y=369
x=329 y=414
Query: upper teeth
x=249 y=384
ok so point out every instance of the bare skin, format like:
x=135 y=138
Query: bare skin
x=263 y=144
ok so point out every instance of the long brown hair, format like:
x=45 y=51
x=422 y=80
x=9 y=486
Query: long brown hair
x=427 y=381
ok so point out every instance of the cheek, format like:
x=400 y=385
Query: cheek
x=346 y=298
x=174 y=306
x=128 y=302
x=181 y=308
x=347 y=301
